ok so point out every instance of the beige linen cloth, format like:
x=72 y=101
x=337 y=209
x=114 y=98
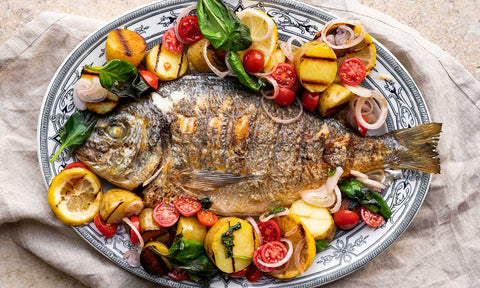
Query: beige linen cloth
x=439 y=249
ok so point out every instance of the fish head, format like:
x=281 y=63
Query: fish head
x=125 y=147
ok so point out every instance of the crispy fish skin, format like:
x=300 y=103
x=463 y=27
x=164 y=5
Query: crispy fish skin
x=218 y=143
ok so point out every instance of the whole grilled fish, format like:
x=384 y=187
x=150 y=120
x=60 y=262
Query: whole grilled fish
x=208 y=137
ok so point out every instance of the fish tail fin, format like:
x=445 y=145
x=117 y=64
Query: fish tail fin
x=421 y=147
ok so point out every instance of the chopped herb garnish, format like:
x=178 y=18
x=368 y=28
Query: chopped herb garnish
x=320 y=245
x=206 y=202
x=274 y=211
x=227 y=238
x=330 y=173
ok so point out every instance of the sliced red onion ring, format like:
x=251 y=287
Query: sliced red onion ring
x=180 y=16
x=287 y=47
x=325 y=196
x=262 y=218
x=383 y=111
x=291 y=231
x=366 y=180
x=210 y=65
x=276 y=89
x=284 y=260
x=338 y=203
x=358 y=174
x=343 y=35
x=349 y=44
x=267 y=19
x=333 y=180
x=81 y=105
x=282 y=121
x=90 y=90
x=282 y=269
x=255 y=228
x=359 y=90
x=132 y=257
x=132 y=227
x=298 y=254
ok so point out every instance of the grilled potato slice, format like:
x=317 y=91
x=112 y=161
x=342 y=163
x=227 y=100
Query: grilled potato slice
x=316 y=65
x=126 y=45
x=197 y=61
x=149 y=228
x=332 y=99
x=191 y=228
x=317 y=219
x=165 y=64
x=118 y=203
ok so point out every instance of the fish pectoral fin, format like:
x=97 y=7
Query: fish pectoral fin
x=206 y=180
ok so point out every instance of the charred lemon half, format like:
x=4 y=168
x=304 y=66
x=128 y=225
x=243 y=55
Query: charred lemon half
x=74 y=196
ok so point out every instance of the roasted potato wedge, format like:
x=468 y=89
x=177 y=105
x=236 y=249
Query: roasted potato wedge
x=197 y=61
x=165 y=64
x=245 y=242
x=153 y=263
x=118 y=203
x=126 y=45
x=332 y=99
x=191 y=228
x=149 y=228
x=316 y=65
x=318 y=220
x=104 y=106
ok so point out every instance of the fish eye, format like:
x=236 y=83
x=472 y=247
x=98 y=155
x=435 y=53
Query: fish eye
x=117 y=130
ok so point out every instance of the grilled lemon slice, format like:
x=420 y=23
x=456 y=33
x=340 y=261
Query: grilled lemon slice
x=74 y=196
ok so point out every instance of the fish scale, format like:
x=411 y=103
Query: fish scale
x=211 y=138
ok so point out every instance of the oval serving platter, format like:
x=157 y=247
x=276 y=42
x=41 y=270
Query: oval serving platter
x=349 y=250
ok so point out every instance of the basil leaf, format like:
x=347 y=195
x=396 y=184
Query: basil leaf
x=75 y=131
x=134 y=87
x=221 y=26
x=383 y=208
x=354 y=189
x=274 y=211
x=320 y=245
x=227 y=238
x=237 y=66
x=206 y=202
x=114 y=70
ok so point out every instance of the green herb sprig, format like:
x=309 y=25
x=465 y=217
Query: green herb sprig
x=227 y=238
x=115 y=70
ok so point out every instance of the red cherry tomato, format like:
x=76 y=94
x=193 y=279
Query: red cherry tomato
x=188 y=206
x=270 y=230
x=166 y=215
x=75 y=165
x=177 y=274
x=285 y=75
x=352 y=71
x=257 y=256
x=207 y=218
x=310 y=100
x=253 y=274
x=370 y=218
x=189 y=30
x=253 y=61
x=285 y=96
x=273 y=251
x=150 y=78
x=241 y=273
x=171 y=43
x=136 y=223
x=108 y=230
x=345 y=219
x=360 y=128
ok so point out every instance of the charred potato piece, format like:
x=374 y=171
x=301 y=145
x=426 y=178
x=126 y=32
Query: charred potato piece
x=153 y=263
x=332 y=99
x=316 y=65
x=317 y=219
x=197 y=60
x=118 y=203
x=149 y=228
x=104 y=106
x=165 y=64
x=191 y=228
x=125 y=45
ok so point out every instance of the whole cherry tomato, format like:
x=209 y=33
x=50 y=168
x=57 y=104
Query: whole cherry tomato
x=310 y=100
x=345 y=219
x=253 y=61
x=285 y=96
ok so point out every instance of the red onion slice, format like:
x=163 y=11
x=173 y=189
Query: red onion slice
x=255 y=228
x=383 y=111
x=366 y=180
x=180 y=16
x=90 y=90
x=298 y=254
x=359 y=90
x=267 y=19
x=132 y=227
x=284 y=212
x=132 y=257
x=343 y=35
x=210 y=65
x=349 y=44
x=282 y=121
x=287 y=47
x=81 y=105
x=276 y=89
x=338 y=203
x=284 y=260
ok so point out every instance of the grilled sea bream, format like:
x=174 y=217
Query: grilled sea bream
x=209 y=137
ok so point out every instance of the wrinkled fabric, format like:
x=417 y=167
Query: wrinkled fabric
x=439 y=248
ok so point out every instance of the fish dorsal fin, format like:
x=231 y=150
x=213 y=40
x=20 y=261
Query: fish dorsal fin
x=207 y=180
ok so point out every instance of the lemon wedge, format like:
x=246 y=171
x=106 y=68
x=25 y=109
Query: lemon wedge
x=262 y=30
x=74 y=196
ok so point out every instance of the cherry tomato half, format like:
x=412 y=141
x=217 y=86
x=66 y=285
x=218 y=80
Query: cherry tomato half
x=136 y=223
x=171 y=43
x=189 y=30
x=270 y=230
x=310 y=100
x=108 y=230
x=241 y=273
x=257 y=256
x=253 y=61
x=352 y=71
x=75 y=165
x=188 y=206
x=285 y=75
x=150 y=78
x=360 y=128
x=370 y=218
x=253 y=274
x=345 y=219
x=165 y=215
x=285 y=96
x=177 y=274
x=207 y=218
x=273 y=251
